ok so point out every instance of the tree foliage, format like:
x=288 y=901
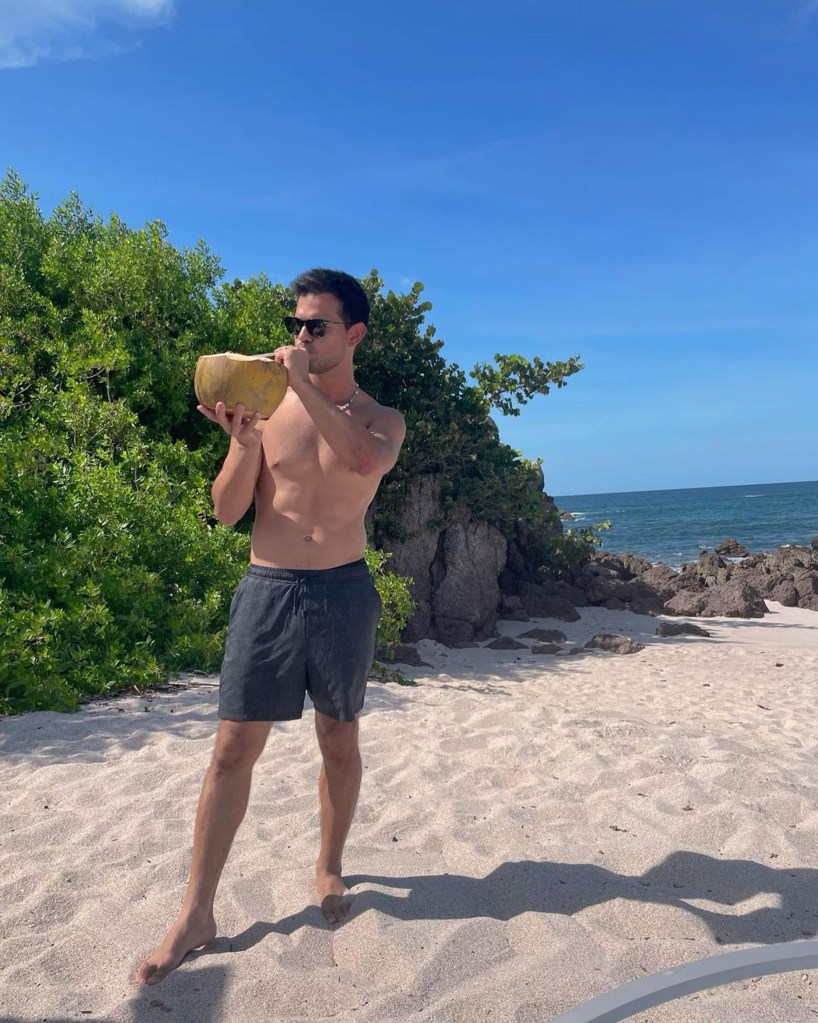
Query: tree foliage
x=516 y=380
x=113 y=574
x=449 y=429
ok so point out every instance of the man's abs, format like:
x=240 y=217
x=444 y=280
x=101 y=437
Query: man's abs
x=297 y=541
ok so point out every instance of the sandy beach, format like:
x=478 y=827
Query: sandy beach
x=533 y=830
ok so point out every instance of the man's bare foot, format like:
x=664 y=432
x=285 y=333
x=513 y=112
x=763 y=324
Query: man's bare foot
x=333 y=895
x=183 y=937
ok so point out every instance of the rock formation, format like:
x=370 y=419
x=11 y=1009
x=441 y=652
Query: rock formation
x=466 y=575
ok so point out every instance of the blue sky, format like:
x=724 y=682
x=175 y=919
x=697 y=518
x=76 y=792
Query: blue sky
x=633 y=182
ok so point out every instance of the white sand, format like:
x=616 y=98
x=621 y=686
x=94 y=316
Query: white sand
x=532 y=831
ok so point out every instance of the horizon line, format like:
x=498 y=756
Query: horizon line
x=661 y=490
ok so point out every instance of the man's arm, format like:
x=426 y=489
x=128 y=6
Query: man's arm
x=235 y=486
x=368 y=451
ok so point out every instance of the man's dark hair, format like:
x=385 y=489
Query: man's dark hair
x=354 y=303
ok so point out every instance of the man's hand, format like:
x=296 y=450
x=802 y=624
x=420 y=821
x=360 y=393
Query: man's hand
x=242 y=430
x=296 y=360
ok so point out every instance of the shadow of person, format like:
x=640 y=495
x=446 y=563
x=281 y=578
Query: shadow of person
x=695 y=876
x=526 y=886
x=681 y=880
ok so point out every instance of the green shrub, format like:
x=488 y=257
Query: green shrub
x=397 y=605
x=572 y=547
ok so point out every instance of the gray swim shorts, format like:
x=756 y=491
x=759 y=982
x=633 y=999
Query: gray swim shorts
x=297 y=631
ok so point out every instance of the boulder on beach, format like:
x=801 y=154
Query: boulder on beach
x=680 y=629
x=733 y=599
x=614 y=643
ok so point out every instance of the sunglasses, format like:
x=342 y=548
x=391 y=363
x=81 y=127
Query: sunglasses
x=315 y=328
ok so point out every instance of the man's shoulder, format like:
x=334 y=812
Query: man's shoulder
x=376 y=410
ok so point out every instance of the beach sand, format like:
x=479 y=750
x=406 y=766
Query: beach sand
x=533 y=830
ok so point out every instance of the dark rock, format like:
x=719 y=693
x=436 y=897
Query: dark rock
x=680 y=629
x=646 y=599
x=545 y=635
x=761 y=578
x=471 y=555
x=686 y=603
x=456 y=632
x=805 y=581
x=511 y=602
x=566 y=516
x=406 y=654
x=601 y=582
x=540 y=605
x=414 y=556
x=515 y=616
x=754 y=560
x=545 y=648
x=735 y=600
x=785 y=593
x=515 y=567
x=731 y=600
x=614 y=644
x=713 y=570
x=788 y=575
x=626 y=566
x=731 y=548
x=662 y=578
x=505 y=643
x=814 y=543
x=572 y=594
x=689 y=579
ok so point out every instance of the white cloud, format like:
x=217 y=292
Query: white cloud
x=33 y=30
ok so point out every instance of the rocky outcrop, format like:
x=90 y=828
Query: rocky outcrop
x=465 y=593
x=454 y=566
x=466 y=575
x=711 y=586
x=540 y=603
x=415 y=555
x=728 y=600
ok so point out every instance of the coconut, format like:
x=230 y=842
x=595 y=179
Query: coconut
x=255 y=381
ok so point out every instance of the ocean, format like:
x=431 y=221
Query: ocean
x=674 y=526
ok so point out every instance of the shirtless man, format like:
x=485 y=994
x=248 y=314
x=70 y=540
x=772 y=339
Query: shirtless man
x=303 y=619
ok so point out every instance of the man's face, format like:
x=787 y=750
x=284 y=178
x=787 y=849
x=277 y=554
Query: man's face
x=328 y=351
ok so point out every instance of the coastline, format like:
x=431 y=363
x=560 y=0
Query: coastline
x=673 y=526
x=533 y=830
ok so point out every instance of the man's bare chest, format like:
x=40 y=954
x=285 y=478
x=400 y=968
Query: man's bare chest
x=293 y=447
x=292 y=444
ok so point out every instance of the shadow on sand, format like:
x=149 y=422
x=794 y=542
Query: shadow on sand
x=681 y=880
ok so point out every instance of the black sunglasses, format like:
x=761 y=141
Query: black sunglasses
x=315 y=328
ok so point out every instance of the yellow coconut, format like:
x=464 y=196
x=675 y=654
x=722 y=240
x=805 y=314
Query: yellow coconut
x=255 y=381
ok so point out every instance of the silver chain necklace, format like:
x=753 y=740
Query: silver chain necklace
x=345 y=406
